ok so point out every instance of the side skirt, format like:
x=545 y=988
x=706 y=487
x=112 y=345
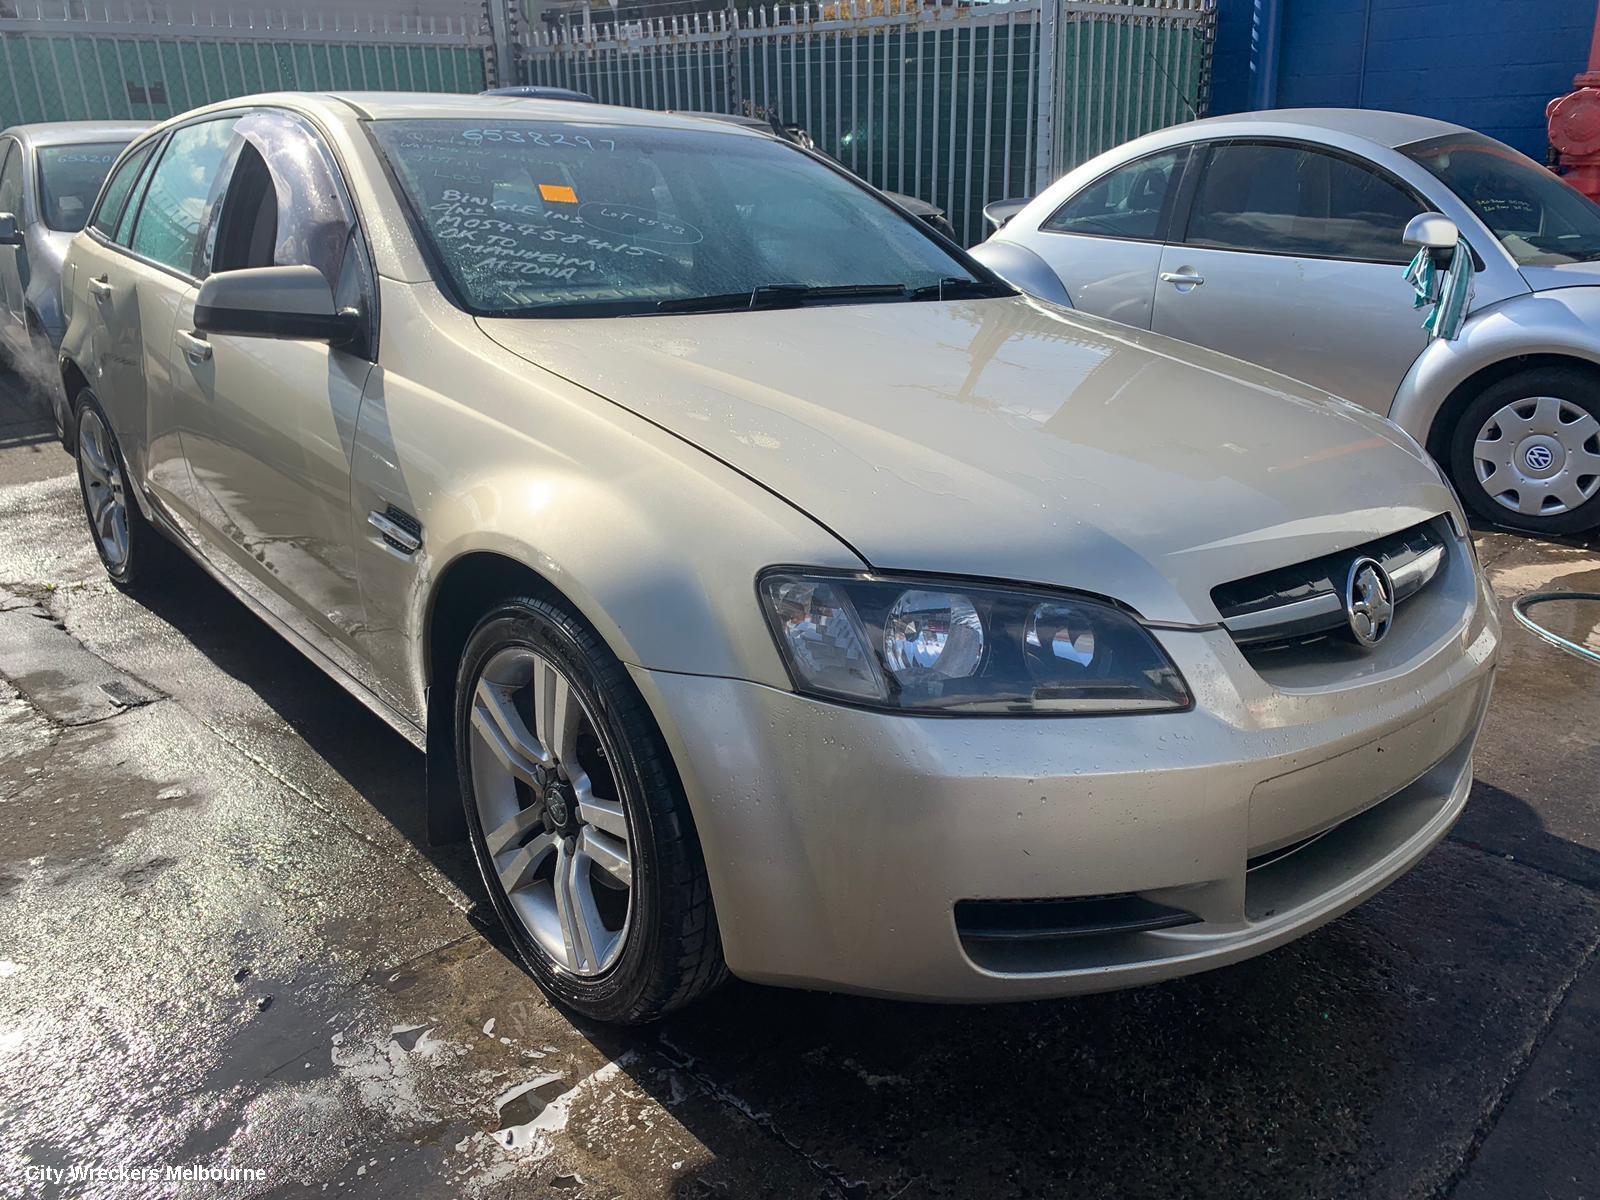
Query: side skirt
x=370 y=699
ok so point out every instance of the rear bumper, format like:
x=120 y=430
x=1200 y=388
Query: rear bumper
x=840 y=841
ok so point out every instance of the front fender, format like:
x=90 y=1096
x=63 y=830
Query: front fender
x=656 y=543
x=1564 y=322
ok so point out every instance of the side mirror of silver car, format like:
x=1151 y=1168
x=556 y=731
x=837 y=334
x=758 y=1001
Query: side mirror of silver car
x=10 y=233
x=276 y=302
x=1433 y=230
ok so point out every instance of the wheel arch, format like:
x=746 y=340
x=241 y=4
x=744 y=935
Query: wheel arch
x=1554 y=328
x=73 y=382
x=467 y=588
x=1444 y=420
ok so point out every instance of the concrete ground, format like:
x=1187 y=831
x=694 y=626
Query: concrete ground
x=225 y=945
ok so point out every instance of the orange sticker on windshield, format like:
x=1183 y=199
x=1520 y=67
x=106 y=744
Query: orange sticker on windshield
x=557 y=194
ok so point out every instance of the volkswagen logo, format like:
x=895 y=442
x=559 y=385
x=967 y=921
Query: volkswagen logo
x=1369 y=601
x=1539 y=458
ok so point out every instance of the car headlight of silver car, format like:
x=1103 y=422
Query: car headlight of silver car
x=932 y=645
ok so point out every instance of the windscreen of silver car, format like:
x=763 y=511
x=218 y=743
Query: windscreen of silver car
x=934 y=645
x=578 y=219
x=1539 y=218
x=70 y=179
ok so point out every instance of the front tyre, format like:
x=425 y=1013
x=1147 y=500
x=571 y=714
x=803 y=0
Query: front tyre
x=1526 y=451
x=131 y=549
x=578 y=820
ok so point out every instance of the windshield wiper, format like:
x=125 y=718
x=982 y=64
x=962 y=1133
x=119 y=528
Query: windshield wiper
x=953 y=287
x=779 y=295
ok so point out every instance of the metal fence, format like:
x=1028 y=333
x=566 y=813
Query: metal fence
x=82 y=61
x=958 y=105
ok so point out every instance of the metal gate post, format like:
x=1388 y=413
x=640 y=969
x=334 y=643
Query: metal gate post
x=730 y=35
x=500 y=67
x=1045 y=153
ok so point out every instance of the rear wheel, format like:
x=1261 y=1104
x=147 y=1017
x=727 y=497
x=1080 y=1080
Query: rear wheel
x=578 y=819
x=131 y=549
x=1526 y=451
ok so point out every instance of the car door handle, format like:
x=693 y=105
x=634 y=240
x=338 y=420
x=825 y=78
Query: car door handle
x=195 y=348
x=1182 y=277
x=100 y=288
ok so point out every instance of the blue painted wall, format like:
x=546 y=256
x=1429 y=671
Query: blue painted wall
x=1489 y=64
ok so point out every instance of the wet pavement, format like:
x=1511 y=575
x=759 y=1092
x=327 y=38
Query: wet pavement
x=226 y=949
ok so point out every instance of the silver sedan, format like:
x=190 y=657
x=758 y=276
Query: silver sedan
x=49 y=177
x=1276 y=237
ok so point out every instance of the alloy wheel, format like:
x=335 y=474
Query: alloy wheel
x=551 y=812
x=1539 y=456
x=104 y=492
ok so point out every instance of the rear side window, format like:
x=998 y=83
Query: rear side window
x=180 y=193
x=115 y=196
x=1127 y=203
x=1279 y=199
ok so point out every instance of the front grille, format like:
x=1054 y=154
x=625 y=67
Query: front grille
x=1305 y=602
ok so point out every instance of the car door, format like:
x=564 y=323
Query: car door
x=1291 y=257
x=13 y=328
x=133 y=282
x=266 y=424
x=1105 y=241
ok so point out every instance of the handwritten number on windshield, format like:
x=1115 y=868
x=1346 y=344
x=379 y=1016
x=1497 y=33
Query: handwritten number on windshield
x=534 y=137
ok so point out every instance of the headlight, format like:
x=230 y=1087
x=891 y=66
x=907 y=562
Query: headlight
x=942 y=646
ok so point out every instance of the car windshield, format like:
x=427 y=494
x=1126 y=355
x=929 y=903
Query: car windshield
x=70 y=178
x=552 y=218
x=1539 y=219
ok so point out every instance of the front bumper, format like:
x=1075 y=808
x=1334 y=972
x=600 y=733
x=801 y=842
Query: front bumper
x=839 y=841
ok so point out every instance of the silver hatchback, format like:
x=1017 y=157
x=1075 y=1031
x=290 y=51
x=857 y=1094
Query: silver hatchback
x=1276 y=237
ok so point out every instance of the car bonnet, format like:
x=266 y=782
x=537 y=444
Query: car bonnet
x=1009 y=439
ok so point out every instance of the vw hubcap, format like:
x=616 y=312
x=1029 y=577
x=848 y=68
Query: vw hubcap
x=551 y=811
x=103 y=489
x=1539 y=456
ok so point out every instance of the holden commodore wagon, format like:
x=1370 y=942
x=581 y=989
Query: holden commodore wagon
x=772 y=588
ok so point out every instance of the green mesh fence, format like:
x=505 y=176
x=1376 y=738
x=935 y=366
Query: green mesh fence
x=74 y=77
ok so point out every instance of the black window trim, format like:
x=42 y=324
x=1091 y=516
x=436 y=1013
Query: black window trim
x=1203 y=161
x=1164 y=222
x=135 y=202
x=136 y=146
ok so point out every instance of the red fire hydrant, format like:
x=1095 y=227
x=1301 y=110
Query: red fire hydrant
x=1574 y=121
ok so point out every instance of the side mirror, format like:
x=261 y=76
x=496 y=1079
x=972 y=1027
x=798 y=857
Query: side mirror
x=275 y=302
x=10 y=234
x=998 y=212
x=1433 y=230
